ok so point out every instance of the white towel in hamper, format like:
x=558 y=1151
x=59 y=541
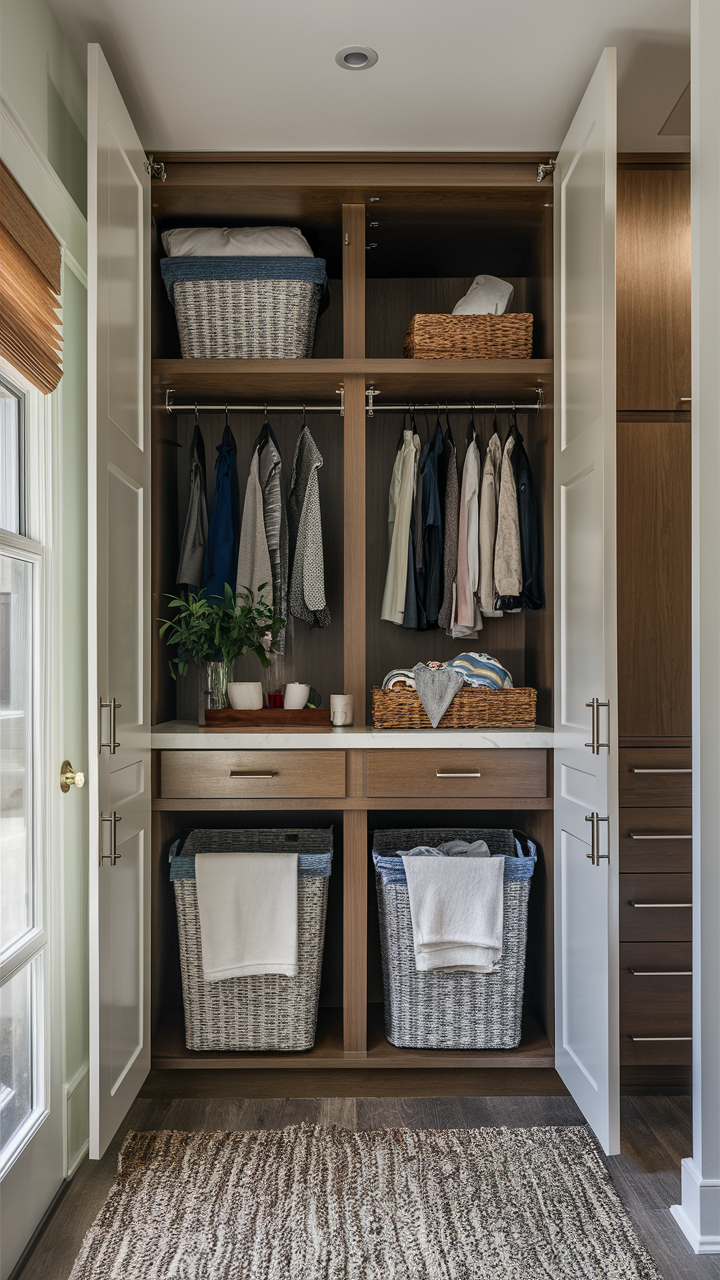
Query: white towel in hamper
x=248 y=913
x=456 y=908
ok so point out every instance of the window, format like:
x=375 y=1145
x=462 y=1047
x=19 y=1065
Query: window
x=12 y=465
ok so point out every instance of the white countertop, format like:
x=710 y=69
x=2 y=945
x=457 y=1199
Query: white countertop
x=179 y=735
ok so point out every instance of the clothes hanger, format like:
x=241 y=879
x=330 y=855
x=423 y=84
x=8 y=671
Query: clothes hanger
x=471 y=430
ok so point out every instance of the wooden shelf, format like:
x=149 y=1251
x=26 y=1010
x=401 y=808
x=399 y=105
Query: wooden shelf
x=169 y=1051
x=319 y=380
x=347 y=803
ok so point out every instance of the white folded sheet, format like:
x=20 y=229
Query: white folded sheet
x=456 y=907
x=248 y=913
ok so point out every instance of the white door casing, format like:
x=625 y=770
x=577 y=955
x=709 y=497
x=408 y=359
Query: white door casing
x=119 y=604
x=586 y=889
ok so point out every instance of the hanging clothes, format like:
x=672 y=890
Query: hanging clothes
x=411 y=615
x=194 y=541
x=489 y=495
x=508 y=562
x=254 y=571
x=400 y=503
x=531 y=548
x=466 y=618
x=275 y=520
x=307 y=577
x=221 y=552
x=428 y=539
x=450 y=499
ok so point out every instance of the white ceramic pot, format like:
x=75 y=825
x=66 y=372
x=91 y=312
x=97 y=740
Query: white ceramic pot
x=296 y=696
x=245 y=695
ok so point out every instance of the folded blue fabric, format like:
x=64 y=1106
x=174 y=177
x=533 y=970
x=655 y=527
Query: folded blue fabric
x=178 y=270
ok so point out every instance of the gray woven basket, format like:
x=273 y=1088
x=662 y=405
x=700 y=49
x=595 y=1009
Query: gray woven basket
x=263 y=1012
x=247 y=319
x=450 y=1010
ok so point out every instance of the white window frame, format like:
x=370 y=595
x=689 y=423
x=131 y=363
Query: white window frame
x=34 y=548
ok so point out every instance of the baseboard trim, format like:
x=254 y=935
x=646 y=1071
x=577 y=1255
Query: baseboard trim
x=698 y=1217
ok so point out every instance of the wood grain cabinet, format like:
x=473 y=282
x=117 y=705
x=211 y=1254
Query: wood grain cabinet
x=655 y=776
x=252 y=774
x=500 y=774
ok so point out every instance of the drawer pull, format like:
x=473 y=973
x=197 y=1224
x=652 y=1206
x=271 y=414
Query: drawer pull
x=444 y=773
x=661 y=770
x=635 y=836
x=239 y=773
x=660 y=904
x=661 y=973
x=646 y=1039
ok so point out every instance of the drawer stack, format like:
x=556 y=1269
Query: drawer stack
x=655 y=906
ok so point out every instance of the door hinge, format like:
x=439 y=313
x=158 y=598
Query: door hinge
x=156 y=169
x=543 y=170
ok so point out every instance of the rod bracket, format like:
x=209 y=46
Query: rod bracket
x=544 y=170
x=168 y=393
x=341 y=393
x=370 y=394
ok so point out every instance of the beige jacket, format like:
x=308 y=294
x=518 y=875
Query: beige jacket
x=508 y=563
x=402 y=492
x=489 y=495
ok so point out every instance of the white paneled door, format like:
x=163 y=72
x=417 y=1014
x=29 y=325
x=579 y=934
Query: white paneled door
x=119 y=607
x=586 y=806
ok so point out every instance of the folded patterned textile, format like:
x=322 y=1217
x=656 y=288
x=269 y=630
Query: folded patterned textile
x=481 y=671
x=399 y=676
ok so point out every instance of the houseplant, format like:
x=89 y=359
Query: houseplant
x=211 y=632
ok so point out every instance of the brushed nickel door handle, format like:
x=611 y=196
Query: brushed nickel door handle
x=443 y=773
x=113 y=856
x=634 y=835
x=658 y=905
x=661 y=973
x=661 y=771
x=647 y=1039
x=239 y=773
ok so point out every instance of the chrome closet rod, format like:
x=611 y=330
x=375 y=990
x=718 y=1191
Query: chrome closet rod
x=442 y=405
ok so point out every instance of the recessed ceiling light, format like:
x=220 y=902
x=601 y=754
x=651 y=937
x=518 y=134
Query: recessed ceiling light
x=356 y=58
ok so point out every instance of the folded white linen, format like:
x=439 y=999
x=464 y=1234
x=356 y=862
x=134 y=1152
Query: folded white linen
x=236 y=242
x=248 y=913
x=456 y=908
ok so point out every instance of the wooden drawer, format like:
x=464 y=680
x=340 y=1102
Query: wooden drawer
x=655 y=840
x=655 y=1003
x=655 y=776
x=251 y=774
x=658 y=914
x=429 y=772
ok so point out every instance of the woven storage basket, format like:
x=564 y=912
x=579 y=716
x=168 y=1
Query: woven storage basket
x=245 y=308
x=443 y=337
x=451 y=1010
x=401 y=708
x=267 y=1011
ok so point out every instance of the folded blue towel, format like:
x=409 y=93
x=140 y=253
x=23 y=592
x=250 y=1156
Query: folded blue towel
x=178 y=270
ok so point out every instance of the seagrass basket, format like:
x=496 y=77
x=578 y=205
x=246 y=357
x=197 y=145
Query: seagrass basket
x=261 y=1012
x=452 y=1009
x=443 y=337
x=401 y=708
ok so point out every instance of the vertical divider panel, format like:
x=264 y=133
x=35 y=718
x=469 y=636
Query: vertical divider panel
x=354 y=544
x=353 y=266
x=355 y=865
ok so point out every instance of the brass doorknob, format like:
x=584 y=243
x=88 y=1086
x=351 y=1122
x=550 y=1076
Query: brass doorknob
x=69 y=777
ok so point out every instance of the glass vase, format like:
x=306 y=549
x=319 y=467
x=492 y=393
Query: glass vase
x=217 y=685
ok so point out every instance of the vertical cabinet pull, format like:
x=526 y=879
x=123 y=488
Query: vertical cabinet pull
x=113 y=856
x=596 y=743
x=595 y=856
x=113 y=707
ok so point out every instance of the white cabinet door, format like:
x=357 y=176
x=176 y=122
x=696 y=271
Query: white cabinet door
x=586 y=816
x=119 y=604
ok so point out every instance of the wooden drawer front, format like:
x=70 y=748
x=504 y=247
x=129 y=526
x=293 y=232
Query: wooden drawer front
x=457 y=773
x=661 y=1051
x=656 y=776
x=658 y=914
x=252 y=774
x=655 y=840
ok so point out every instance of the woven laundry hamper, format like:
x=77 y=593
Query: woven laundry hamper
x=451 y=1010
x=268 y=1011
x=245 y=308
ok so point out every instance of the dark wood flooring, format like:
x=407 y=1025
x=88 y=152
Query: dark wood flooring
x=656 y=1136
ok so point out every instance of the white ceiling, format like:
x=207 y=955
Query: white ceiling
x=455 y=75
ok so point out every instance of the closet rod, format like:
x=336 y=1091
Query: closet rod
x=437 y=405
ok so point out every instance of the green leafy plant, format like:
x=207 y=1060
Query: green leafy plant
x=207 y=629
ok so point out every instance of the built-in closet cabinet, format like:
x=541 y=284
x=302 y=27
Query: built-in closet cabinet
x=400 y=234
x=654 y=618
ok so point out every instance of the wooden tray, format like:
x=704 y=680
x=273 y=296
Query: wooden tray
x=268 y=718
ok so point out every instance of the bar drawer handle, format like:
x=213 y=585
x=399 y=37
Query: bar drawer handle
x=634 y=835
x=442 y=773
x=238 y=773
x=646 y=1039
x=661 y=973
x=661 y=770
x=660 y=904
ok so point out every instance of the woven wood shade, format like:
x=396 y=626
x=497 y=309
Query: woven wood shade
x=30 y=328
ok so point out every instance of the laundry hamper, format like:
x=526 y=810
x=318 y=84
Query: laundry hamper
x=452 y=1010
x=268 y=1011
x=248 y=308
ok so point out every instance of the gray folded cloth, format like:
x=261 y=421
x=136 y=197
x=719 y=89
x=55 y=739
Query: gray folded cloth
x=451 y=849
x=436 y=688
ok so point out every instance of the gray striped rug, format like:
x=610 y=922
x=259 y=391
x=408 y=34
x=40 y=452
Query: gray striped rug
x=323 y=1203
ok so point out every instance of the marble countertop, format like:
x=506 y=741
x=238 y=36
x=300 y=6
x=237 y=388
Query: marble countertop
x=178 y=735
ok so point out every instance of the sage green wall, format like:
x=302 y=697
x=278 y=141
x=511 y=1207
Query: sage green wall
x=43 y=119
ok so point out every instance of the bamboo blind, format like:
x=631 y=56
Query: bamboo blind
x=30 y=327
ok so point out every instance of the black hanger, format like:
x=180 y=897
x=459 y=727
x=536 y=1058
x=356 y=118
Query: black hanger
x=471 y=430
x=448 y=429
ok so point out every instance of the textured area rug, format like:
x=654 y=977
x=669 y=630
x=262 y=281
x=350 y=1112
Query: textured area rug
x=323 y=1203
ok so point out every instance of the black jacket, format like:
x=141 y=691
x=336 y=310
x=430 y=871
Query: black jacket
x=532 y=595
